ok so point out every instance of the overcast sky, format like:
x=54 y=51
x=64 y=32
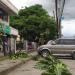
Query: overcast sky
x=47 y=4
x=68 y=24
x=69 y=18
x=69 y=10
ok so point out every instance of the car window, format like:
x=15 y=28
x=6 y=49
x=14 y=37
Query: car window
x=66 y=41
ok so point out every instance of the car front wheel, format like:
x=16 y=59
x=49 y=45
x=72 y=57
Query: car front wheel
x=45 y=53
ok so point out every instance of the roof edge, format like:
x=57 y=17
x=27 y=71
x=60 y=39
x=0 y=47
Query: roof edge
x=10 y=6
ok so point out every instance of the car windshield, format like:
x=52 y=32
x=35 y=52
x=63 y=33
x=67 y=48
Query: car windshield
x=51 y=42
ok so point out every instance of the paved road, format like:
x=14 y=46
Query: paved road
x=70 y=64
x=26 y=69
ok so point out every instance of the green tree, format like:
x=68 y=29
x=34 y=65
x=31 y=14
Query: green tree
x=34 y=22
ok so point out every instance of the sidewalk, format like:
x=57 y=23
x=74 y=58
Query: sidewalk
x=26 y=69
x=1 y=54
x=9 y=65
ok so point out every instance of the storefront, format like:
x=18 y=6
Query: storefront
x=7 y=9
x=4 y=37
x=14 y=35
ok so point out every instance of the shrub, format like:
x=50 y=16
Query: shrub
x=52 y=66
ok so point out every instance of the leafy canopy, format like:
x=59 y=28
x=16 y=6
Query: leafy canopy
x=33 y=23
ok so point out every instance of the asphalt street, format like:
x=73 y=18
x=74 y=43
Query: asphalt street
x=70 y=65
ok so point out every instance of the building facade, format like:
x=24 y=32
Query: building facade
x=7 y=34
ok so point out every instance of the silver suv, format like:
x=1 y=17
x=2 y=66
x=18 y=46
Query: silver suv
x=61 y=46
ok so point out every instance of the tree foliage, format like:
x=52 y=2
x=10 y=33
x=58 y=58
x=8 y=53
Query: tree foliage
x=33 y=23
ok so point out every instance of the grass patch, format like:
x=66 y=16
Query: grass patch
x=18 y=55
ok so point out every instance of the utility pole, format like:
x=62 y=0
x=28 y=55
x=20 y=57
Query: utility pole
x=59 y=11
x=56 y=7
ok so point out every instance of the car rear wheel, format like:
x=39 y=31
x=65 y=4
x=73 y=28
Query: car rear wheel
x=45 y=53
x=73 y=55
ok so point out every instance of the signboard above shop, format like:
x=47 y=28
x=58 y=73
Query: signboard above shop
x=8 y=30
x=14 y=31
x=4 y=28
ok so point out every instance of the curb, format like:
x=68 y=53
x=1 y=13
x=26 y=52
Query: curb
x=5 y=72
x=3 y=58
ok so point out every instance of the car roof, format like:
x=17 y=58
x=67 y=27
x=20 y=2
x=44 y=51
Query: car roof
x=66 y=38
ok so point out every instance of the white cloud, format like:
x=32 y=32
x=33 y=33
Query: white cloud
x=68 y=28
x=47 y=4
x=22 y=3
